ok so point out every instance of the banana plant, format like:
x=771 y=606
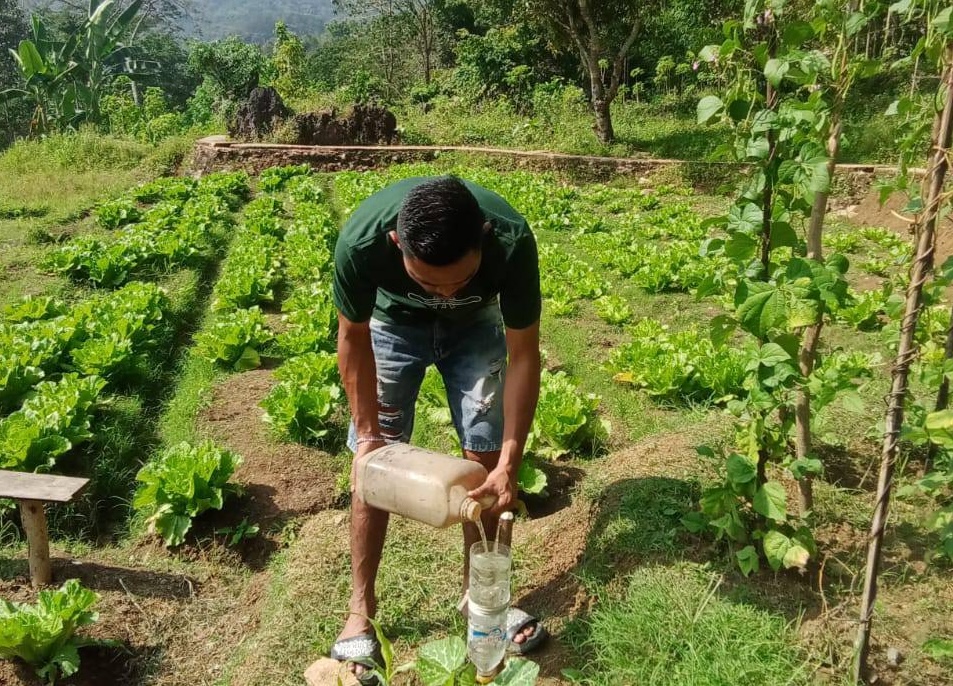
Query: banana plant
x=65 y=79
x=46 y=70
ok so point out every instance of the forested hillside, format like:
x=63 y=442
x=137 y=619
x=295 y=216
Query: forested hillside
x=255 y=21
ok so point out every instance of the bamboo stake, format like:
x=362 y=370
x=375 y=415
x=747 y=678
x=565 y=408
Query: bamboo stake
x=919 y=273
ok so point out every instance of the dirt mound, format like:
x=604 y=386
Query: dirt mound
x=281 y=480
x=258 y=116
x=361 y=125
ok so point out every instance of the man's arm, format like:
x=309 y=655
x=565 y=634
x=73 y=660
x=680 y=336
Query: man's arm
x=520 y=394
x=359 y=375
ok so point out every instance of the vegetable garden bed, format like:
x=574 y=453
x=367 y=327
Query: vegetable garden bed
x=637 y=378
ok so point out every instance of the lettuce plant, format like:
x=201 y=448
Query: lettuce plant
x=53 y=419
x=303 y=404
x=44 y=635
x=182 y=483
x=234 y=339
x=113 y=214
x=566 y=420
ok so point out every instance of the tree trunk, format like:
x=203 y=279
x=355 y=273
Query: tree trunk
x=604 y=130
x=922 y=266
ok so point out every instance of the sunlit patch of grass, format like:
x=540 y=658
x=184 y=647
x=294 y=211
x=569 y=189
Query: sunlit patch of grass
x=672 y=626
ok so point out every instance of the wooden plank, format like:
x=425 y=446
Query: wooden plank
x=46 y=487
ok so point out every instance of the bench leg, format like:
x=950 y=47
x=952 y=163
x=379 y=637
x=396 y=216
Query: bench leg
x=34 y=523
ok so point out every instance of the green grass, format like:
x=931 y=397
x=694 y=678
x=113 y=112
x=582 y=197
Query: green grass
x=306 y=599
x=673 y=626
x=48 y=187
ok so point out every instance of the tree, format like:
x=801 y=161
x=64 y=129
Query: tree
x=231 y=66
x=602 y=33
x=13 y=28
x=385 y=33
x=64 y=80
x=288 y=59
x=423 y=14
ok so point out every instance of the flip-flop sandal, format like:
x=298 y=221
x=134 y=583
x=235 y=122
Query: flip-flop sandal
x=516 y=621
x=364 y=650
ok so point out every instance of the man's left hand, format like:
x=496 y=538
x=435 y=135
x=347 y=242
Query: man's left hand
x=500 y=484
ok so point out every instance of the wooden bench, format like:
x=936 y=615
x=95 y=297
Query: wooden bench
x=31 y=491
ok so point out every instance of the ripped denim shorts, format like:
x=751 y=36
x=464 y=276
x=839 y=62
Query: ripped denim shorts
x=471 y=358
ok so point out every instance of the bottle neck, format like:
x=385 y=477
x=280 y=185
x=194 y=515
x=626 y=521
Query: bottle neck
x=470 y=510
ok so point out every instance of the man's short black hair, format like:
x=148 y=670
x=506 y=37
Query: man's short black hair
x=440 y=221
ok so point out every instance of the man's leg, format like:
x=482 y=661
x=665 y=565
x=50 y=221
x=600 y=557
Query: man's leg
x=400 y=355
x=368 y=531
x=473 y=369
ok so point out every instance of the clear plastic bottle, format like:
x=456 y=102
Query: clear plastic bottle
x=490 y=572
x=486 y=639
x=423 y=485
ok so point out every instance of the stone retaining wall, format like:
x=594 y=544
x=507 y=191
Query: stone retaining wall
x=218 y=152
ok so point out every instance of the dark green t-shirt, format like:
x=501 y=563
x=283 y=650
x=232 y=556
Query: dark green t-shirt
x=370 y=279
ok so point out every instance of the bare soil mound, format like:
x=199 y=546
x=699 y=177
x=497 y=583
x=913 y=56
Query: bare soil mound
x=281 y=480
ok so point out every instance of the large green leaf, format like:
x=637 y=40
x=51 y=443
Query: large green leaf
x=530 y=478
x=772 y=354
x=518 y=673
x=746 y=218
x=775 y=70
x=30 y=60
x=748 y=560
x=776 y=546
x=771 y=501
x=740 y=469
x=944 y=21
x=708 y=107
x=438 y=661
x=762 y=310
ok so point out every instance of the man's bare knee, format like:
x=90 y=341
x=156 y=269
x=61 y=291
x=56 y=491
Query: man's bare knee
x=488 y=459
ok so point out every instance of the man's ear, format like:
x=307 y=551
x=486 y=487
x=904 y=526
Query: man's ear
x=394 y=237
x=487 y=227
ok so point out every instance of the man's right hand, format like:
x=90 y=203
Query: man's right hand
x=364 y=449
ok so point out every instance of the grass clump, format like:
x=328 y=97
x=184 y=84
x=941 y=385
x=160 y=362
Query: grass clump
x=672 y=626
x=75 y=151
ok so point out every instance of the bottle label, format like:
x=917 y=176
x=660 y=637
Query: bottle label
x=492 y=636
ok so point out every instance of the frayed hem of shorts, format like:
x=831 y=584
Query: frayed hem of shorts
x=483 y=447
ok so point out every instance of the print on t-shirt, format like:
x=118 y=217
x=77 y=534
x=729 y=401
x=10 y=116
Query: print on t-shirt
x=438 y=303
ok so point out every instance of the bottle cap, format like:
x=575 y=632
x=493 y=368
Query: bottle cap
x=470 y=510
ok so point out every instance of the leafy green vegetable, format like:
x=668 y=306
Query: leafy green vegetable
x=53 y=419
x=613 y=309
x=566 y=420
x=44 y=635
x=303 y=405
x=116 y=213
x=683 y=365
x=182 y=483
x=32 y=308
x=274 y=179
x=234 y=339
